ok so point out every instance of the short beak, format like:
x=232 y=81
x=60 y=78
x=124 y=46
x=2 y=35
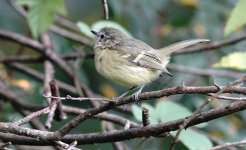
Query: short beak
x=94 y=32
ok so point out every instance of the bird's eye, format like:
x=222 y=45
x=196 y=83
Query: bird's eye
x=102 y=36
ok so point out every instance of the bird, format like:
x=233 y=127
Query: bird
x=130 y=62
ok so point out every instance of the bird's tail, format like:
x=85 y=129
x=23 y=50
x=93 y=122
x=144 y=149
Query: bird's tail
x=165 y=51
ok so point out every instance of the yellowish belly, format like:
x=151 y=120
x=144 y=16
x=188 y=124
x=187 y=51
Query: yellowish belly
x=116 y=68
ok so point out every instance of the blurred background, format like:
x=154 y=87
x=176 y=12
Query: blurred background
x=156 y=22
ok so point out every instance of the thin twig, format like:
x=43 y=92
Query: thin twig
x=73 y=36
x=15 y=100
x=199 y=109
x=32 y=116
x=113 y=136
x=40 y=77
x=72 y=145
x=4 y=145
x=105 y=9
x=55 y=106
x=48 y=66
x=66 y=22
x=39 y=59
x=65 y=146
x=205 y=72
x=90 y=112
x=116 y=145
x=68 y=97
x=213 y=45
x=226 y=145
x=228 y=98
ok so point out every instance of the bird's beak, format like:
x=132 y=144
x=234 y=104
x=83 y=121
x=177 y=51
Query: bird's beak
x=94 y=32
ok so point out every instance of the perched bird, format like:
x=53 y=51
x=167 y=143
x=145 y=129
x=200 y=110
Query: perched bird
x=131 y=62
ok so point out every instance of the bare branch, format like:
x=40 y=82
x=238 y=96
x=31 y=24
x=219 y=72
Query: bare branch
x=68 y=97
x=32 y=116
x=105 y=9
x=63 y=146
x=227 y=145
x=118 y=135
x=199 y=109
x=40 y=77
x=213 y=45
x=55 y=106
x=17 y=101
x=166 y=92
x=73 y=36
x=116 y=145
x=228 y=98
x=205 y=72
x=48 y=66
x=4 y=145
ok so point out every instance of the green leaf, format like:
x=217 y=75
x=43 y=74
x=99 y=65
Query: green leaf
x=85 y=29
x=104 y=23
x=137 y=112
x=168 y=111
x=26 y=2
x=237 y=18
x=194 y=140
x=41 y=14
x=153 y=116
x=233 y=61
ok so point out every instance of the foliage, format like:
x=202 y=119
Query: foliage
x=85 y=29
x=156 y=22
x=166 y=110
x=41 y=14
x=237 y=18
x=234 y=60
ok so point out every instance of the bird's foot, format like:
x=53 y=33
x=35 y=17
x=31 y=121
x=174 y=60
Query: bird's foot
x=136 y=95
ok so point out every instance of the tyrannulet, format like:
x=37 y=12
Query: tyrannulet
x=131 y=62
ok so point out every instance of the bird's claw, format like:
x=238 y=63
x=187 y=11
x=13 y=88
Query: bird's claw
x=135 y=97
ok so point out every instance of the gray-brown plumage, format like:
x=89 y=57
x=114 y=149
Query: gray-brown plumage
x=131 y=62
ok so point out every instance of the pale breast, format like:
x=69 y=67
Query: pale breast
x=115 y=67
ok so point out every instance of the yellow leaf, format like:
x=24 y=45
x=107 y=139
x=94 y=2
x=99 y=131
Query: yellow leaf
x=192 y=3
x=237 y=18
x=200 y=30
x=108 y=91
x=232 y=61
x=3 y=73
x=22 y=83
x=217 y=134
x=165 y=29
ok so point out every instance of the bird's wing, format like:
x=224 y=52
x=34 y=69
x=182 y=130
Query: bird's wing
x=140 y=54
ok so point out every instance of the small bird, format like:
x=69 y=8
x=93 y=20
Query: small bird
x=131 y=62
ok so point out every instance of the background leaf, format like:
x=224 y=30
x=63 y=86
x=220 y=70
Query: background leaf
x=105 y=23
x=237 y=18
x=41 y=14
x=235 y=60
x=169 y=110
x=85 y=29
x=137 y=113
x=194 y=140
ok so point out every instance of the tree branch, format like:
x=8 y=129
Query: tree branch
x=213 y=45
x=114 y=136
x=145 y=96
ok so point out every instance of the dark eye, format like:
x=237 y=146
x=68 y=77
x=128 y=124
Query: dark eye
x=102 y=36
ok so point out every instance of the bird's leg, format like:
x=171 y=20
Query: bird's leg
x=124 y=94
x=135 y=95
